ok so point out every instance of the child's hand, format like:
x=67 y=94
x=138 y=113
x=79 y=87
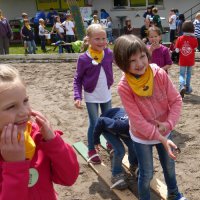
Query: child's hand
x=169 y=147
x=77 y=103
x=161 y=127
x=12 y=147
x=45 y=126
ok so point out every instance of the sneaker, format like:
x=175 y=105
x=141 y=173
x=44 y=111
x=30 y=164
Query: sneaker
x=93 y=157
x=182 y=92
x=134 y=170
x=119 y=182
x=178 y=196
x=188 y=90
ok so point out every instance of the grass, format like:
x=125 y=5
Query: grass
x=19 y=49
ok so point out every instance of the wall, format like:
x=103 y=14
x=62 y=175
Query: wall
x=137 y=22
x=12 y=9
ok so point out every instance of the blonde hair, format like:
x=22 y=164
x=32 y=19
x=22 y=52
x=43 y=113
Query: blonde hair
x=8 y=74
x=93 y=28
x=197 y=15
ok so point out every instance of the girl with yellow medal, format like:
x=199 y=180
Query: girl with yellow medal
x=94 y=73
x=153 y=106
x=32 y=155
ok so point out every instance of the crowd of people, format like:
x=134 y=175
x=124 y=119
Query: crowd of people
x=151 y=104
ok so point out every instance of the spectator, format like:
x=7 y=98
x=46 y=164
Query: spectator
x=172 y=24
x=109 y=30
x=156 y=19
x=39 y=14
x=95 y=20
x=104 y=14
x=128 y=29
x=5 y=34
x=60 y=32
x=50 y=16
x=197 y=28
x=42 y=34
x=24 y=16
x=28 y=36
x=70 y=32
x=148 y=14
x=179 y=24
x=144 y=29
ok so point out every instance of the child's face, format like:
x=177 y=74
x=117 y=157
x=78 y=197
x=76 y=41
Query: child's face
x=14 y=105
x=98 y=40
x=138 y=63
x=154 y=38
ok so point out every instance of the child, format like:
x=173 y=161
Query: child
x=156 y=19
x=94 y=73
x=159 y=53
x=95 y=20
x=128 y=29
x=186 y=45
x=174 y=54
x=28 y=35
x=153 y=106
x=70 y=32
x=42 y=32
x=172 y=24
x=197 y=28
x=33 y=156
x=60 y=32
x=24 y=16
x=114 y=125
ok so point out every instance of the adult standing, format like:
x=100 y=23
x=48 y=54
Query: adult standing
x=5 y=34
x=197 y=28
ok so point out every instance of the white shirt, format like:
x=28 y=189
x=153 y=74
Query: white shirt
x=172 y=26
x=69 y=25
x=59 y=27
x=101 y=93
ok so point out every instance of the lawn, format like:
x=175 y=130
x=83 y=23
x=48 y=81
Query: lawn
x=19 y=49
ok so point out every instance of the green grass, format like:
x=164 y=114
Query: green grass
x=19 y=49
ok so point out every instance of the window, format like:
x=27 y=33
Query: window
x=136 y=3
x=120 y=3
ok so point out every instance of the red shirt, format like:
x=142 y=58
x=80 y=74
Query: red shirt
x=186 y=45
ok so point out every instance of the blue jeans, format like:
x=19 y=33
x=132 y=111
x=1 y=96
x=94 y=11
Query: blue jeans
x=93 y=113
x=188 y=72
x=31 y=46
x=145 y=160
x=119 y=152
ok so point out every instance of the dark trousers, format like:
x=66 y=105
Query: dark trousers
x=69 y=39
x=43 y=42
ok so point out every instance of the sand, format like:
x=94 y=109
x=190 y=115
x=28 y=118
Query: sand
x=50 y=90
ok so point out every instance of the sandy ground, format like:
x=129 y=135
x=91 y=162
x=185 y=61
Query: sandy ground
x=51 y=92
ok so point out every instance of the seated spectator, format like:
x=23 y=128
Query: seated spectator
x=128 y=29
x=144 y=30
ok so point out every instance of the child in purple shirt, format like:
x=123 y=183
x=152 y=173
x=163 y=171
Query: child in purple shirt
x=159 y=53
